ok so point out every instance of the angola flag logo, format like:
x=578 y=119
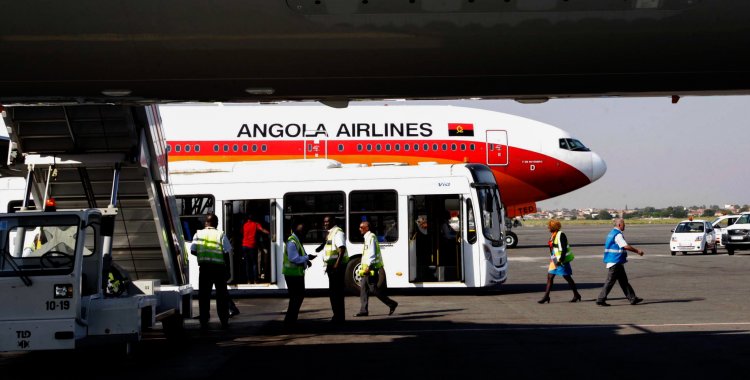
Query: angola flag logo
x=460 y=129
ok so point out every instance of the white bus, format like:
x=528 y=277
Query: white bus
x=460 y=245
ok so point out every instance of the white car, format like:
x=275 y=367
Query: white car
x=721 y=223
x=693 y=236
x=737 y=236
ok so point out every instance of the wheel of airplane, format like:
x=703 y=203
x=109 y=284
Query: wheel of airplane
x=511 y=239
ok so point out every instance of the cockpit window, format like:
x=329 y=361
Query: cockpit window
x=573 y=145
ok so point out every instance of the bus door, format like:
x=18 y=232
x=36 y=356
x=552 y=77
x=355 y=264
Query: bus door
x=316 y=147
x=434 y=249
x=497 y=148
x=251 y=266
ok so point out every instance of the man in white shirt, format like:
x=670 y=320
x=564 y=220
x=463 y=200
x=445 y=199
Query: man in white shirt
x=615 y=256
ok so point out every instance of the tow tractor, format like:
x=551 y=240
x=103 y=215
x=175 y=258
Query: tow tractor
x=104 y=261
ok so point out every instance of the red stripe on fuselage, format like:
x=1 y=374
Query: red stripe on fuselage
x=529 y=176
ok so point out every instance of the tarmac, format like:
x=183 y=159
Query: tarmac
x=694 y=322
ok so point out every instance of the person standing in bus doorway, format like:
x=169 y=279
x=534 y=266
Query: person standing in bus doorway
x=295 y=263
x=560 y=257
x=615 y=256
x=336 y=258
x=250 y=247
x=210 y=244
x=371 y=271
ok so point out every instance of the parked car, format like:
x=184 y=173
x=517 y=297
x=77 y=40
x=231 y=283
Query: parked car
x=737 y=236
x=693 y=236
x=721 y=223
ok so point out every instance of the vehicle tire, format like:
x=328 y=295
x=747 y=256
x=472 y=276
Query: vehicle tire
x=673 y=253
x=351 y=279
x=715 y=249
x=511 y=239
x=730 y=251
x=684 y=253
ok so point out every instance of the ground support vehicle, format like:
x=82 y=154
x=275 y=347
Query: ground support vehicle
x=105 y=260
x=737 y=236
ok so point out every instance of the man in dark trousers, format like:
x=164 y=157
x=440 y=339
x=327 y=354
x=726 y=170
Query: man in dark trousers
x=371 y=265
x=335 y=258
x=615 y=256
x=295 y=263
x=210 y=244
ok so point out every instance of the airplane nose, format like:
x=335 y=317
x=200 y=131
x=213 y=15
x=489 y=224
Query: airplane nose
x=598 y=167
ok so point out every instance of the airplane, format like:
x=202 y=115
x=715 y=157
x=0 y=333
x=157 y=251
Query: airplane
x=338 y=50
x=531 y=161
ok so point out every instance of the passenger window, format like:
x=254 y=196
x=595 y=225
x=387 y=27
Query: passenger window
x=359 y=147
x=169 y=148
x=397 y=147
x=369 y=147
x=406 y=147
x=177 y=148
x=435 y=147
x=378 y=147
x=263 y=147
x=387 y=147
x=226 y=147
x=187 y=148
x=197 y=148
x=310 y=209
x=341 y=147
x=380 y=208
x=472 y=147
x=444 y=147
x=453 y=146
x=216 y=147
x=255 y=148
x=244 y=147
x=463 y=146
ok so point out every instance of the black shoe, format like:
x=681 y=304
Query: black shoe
x=544 y=300
x=393 y=308
x=225 y=326
x=576 y=298
x=602 y=303
x=636 y=301
x=361 y=314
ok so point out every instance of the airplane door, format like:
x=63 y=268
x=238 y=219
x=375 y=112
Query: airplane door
x=497 y=148
x=316 y=148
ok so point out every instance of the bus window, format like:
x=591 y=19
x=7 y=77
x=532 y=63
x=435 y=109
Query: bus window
x=193 y=209
x=310 y=209
x=380 y=208
x=471 y=226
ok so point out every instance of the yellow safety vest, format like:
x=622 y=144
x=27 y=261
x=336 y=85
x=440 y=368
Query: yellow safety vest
x=290 y=268
x=210 y=246
x=366 y=266
x=332 y=252
x=557 y=251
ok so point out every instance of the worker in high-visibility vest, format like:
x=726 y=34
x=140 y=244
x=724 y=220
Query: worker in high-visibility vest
x=371 y=270
x=295 y=263
x=210 y=244
x=336 y=259
x=560 y=257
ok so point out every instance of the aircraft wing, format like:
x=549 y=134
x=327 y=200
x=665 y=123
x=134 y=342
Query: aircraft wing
x=231 y=50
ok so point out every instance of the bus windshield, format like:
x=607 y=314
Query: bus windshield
x=489 y=205
x=38 y=245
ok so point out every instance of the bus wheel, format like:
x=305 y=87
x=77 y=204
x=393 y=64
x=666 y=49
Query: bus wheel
x=511 y=239
x=351 y=276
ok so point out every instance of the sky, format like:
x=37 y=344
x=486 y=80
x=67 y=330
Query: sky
x=657 y=153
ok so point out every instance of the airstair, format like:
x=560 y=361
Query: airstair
x=100 y=156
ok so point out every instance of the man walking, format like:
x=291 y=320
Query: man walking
x=615 y=256
x=371 y=264
x=210 y=244
x=336 y=258
x=295 y=263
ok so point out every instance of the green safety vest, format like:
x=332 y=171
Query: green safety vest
x=375 y=264
x=290 y=268
x=209 y=246
x=331 y=252
x=558 y=253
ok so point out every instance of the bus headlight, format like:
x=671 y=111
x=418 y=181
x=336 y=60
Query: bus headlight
x=487 y=253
